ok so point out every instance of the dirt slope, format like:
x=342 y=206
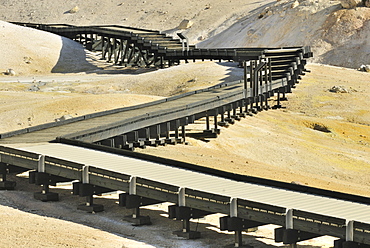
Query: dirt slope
x=29 y=51
x=338 y=36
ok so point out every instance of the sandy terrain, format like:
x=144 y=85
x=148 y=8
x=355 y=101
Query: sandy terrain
x=278 y=144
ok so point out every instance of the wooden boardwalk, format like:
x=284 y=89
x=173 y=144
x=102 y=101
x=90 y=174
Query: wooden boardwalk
x=90 y=149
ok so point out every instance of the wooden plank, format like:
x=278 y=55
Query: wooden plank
x=156 y=194
x=66 y=172
x=158 y=185
x=63 y=163
x=109 y=183
x=362 y=232
x=362 y=226
x=213 y=207
x=207 y=197
x=109 y=174
x=319 y=228
x=19 y=161
x=261 y=216
x=261 y=206
x=319 y=218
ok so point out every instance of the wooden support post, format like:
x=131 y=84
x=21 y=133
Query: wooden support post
x=267 y=90
x=260 y=93
x=183 y=132
x=168 y=128
x=177 y=136
x=238 y=239
x=207 y=122
x=245 y=75
x=4 y=184
x=169 y=140
x=103 y=52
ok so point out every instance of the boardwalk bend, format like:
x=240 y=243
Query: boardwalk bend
x=96 y=149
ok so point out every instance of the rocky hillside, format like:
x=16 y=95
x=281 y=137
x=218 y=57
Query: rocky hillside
x=339 y=36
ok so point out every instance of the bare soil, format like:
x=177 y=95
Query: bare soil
x=319 y=138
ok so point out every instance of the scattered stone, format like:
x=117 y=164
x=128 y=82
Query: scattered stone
x=10 y=72
x=27 y=60
x=295 y=4
x=265 y=13
x=34 y=88
x=74 y=10
x=365 y=68
x=185 y=24
x=350 y=4
x=64 y=117
x=367 y=3
x=338 y=89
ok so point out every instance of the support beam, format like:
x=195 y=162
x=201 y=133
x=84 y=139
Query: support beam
x=85 y=189
x=183 y=213
x=40 y=177
x=4 y=183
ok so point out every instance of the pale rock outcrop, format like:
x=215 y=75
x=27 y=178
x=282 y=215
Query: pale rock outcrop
x=185 y=24
x=350 y=4
x=365 y=68
x=74 y=10
x=295 y=4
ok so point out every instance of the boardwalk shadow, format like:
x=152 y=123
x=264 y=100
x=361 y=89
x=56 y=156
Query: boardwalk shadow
x=111 y=220
x=72 y=58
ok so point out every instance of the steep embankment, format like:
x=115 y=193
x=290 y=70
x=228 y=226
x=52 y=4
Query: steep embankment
x=31 y=51
x=338 y=36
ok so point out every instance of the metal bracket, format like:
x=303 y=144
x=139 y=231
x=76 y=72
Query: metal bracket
x=233 y=207
x=41 y=164
x=289 y=219
x=132 y=186
x=182 y=202
x=349 y=230
x=85 y=174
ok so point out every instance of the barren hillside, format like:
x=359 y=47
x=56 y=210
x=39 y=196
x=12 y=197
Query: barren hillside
x=339 y=36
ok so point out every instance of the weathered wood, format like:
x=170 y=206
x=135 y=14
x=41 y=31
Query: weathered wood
x=261 y=216
x=320 y=228
x=109 y=183
x=19 y=161
x=208 y=206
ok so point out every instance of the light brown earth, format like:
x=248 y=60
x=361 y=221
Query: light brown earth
x=278 y=144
